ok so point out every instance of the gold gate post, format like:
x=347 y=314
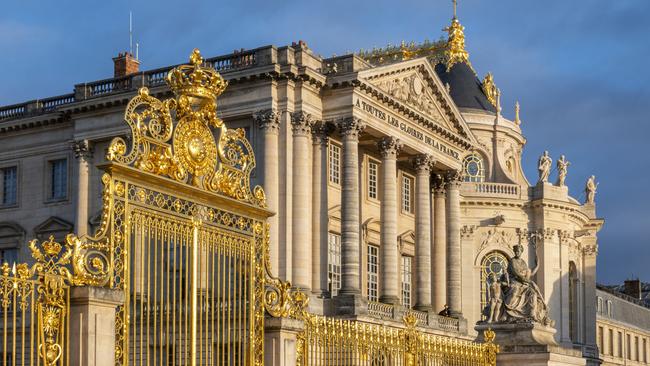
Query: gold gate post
x=196 y=223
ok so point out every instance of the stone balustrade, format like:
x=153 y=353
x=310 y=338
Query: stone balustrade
x=381 y=310
x=487 y=189
x=389 y=312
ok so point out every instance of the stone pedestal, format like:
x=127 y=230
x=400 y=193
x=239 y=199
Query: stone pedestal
x=92 y=325
x=529 y=344
x=350 y=304
x=280 y=341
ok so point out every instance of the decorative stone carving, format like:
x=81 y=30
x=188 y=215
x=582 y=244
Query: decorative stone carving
x=468 y=231
x=412 y=89
x=453 y=178
x=590 y=190
x=494 y=236
x=438 y=184
x=267 y=119
x=82 y=149
x=351 y=126
x=590 y=250
x=562 y=164
x=520 y=300
x=544 y=167
x=423 y=162
x=320 y=132
x=389 y=146
x=489 y=88
x=301 y=123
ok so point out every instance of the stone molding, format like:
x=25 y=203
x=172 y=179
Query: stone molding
x=320 y=132
x=468 y=231
x=453 y=179
x=389 y=147
x=423 y=163
x=351 y=126
x=268 y=120
x=301 y=123
x=82 y=149
x=439 y=184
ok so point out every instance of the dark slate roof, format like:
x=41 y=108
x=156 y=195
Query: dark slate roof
x=465 y=87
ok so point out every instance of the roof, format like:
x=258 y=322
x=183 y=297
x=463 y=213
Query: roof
x=465 y=87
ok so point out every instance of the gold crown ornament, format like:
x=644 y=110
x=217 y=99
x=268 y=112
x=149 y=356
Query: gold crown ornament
x=196 y=80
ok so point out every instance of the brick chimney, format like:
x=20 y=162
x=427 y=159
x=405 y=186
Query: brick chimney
x=125 y=64
x=633 y=288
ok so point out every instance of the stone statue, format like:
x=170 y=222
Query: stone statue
x=495 y=296
x=544 y=167
x=523 y=300
x=590 y=189
x=562 y=165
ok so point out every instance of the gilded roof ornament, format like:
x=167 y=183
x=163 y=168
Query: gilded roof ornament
x=489 y=88
x=175 y=137
x=455 y=49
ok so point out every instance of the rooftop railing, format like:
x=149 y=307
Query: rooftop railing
x=487 y=189
x=152 y=78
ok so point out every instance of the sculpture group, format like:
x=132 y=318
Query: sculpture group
x=544 y=165
x=514 y=297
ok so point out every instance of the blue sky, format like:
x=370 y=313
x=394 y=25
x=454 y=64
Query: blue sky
x=579 y=69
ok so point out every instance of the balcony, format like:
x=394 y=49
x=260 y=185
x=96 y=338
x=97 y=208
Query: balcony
x=492 y=190
x=383 y=311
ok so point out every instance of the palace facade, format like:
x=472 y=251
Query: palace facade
x=396 y=181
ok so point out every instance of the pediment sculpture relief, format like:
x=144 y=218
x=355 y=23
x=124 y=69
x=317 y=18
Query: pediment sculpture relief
x=412 y=90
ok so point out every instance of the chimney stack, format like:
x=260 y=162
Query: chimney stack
x=125 y=64
x=633 y=288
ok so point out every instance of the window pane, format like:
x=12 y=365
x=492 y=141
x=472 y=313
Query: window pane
x=473 y=168
x=9 y=185
x=334 y=263
x=493 y=267
x=407 y=185
x=334 y=164
x=372 y=179
x=59 y=179
x=406 y=281
x=9 y=255
x=373 y=273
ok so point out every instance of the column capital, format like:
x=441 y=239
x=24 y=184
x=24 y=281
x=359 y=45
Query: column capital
x=423 y=163
x=82 y=149
x=453 y=179
x=438 y=184
x=301 y=123
x=267 y=119
x=320 y=132
x=351 y=126
x=389 y=146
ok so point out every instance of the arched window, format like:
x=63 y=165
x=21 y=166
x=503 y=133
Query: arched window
x=493 y=262
x=573 y=302
x=473 y=168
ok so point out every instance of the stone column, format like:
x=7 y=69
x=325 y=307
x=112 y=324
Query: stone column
x=351 y=128
x=269 y=122
x=92 y=325
x=301 y=123
x=439 y=272
x=590 y=252
x=389 y=148
x=319 y=216
x=422 y=164
x=83 y=153
x=453 y=244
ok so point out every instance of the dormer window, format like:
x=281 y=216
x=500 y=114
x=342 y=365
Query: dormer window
x=473 y=168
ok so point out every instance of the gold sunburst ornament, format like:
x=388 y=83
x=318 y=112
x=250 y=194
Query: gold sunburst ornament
x=175 y=137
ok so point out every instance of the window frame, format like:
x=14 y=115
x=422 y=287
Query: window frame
x=332 y=273
x=407 y=286
x=331 y=145
x=481 y=175
x=484 y=277
x=47 y=176
x=370 y=160
x=372 y=282
x=403 y=177
x=16 y=203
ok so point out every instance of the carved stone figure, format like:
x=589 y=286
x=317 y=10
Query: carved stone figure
x=562 y=165
x=523 y=300
x=544 y=167
x=495 y=294
x=590 y=189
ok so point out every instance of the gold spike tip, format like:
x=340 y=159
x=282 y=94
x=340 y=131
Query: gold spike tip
x=195 y=57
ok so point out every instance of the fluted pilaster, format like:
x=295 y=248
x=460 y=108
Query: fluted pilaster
x=439 y=257
x=389 y=147
x=320 y=133
x=453 y=243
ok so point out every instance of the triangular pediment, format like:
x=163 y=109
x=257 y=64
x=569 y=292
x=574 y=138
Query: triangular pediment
x=415 y=85
x=53 y=226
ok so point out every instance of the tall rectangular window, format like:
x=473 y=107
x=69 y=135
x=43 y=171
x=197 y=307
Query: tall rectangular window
x=636 y=348
x=600 y=340
x=628 y=346
x=373 y=171
x=9 y=255
x=645 y=350
x=58 y=179
x=373 y=273
x=620 y=344
x=407 y=194
x=334 y=163
x=611 y=342
x=407 y=270
x=9 y=185
x=334 y=263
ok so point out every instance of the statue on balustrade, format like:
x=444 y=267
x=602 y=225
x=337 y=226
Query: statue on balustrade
x=590 y=190
x=544 y=167
x=562 y=166
x=515 y=297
